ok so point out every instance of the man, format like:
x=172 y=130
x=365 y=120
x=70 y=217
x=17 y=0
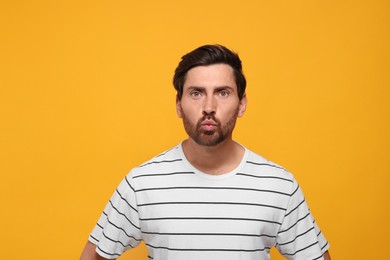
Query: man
x=209 y=197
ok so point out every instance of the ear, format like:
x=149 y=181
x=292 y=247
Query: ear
x=179 y=110
x=242 y=105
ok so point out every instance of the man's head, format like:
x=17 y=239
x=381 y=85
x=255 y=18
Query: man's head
x=209 y=99
x=209 y=55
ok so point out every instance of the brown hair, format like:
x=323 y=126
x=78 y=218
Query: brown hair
x=208 y=55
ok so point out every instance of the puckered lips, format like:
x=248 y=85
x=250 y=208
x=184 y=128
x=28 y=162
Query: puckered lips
x=208 y=125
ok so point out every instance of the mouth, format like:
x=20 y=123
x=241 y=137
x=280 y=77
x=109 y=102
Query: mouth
x=208 y=125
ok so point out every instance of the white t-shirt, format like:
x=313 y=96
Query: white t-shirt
x=183 y=214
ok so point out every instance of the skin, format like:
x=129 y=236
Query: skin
x=89 y=253
x=209 y=108
x=326 y=255
x=211 y=92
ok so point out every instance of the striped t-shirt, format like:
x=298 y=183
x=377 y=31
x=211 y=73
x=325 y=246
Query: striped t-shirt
x=183 y=214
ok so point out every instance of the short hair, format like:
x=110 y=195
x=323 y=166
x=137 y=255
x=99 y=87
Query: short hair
x=209 y=55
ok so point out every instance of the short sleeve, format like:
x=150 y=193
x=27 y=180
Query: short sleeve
x=299 y=236
x=118 y=228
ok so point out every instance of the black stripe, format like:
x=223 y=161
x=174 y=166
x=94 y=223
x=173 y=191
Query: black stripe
x=164 y=161
x=213 y=188
x=120 y=195
x=116 y=241
x=107 y=253
x=209 y=203
x=97 y=240
x=263 y=177
x=295 y=208
x=120 y=213
x=302 y=234
x=207 y=218
x=207 y=234
x=124 y=231
x=295 y=191
x=209 y=249
x=302 y=249
x=160 y=174
x=324 y=245
x=266 y=164
x=295 y=223
x=318 y=257
x=128 y=183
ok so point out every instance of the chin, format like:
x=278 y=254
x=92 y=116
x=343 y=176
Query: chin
x=208 y=140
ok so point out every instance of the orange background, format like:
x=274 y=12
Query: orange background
x=86 y=95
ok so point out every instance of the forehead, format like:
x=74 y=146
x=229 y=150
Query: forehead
x=211 y=75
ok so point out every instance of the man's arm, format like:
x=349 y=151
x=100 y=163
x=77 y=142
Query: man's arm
x=327 y=255
x=89 y=253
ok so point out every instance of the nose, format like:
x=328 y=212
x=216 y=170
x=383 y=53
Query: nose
x=210 y=105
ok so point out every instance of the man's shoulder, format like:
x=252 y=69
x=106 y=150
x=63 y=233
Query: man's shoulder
x=258 y=164
x=165 y=160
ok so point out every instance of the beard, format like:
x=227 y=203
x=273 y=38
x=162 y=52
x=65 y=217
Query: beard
x=209 y=138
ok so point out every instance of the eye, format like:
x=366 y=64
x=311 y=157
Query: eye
x=223 y=93
x=195 y=94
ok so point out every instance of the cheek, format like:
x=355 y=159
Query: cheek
x=185 y=109
x=190 y=114
x=191 y=110
x=229 y=112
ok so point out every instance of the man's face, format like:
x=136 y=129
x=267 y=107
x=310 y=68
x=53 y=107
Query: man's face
x=210 y=105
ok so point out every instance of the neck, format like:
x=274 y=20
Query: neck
x=215 y=160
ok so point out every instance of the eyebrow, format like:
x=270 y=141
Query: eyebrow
x=216 y=88
x=225 y=87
